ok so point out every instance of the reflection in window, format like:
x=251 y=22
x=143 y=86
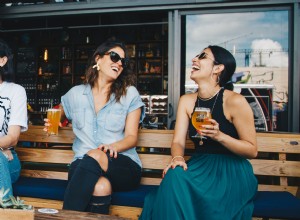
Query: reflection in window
x=9 y=3
x=259 y=42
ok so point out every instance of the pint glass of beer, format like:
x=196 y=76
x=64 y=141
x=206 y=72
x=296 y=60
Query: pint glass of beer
x=53 y=115
x=200 y=117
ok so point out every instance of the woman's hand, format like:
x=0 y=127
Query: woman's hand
x=212 y=130
x=8 y=154
x=112 y=150
x=47 y=124
x=174 y=163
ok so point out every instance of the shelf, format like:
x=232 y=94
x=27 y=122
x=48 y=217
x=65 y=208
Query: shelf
x=151 y=75
x=67 y=63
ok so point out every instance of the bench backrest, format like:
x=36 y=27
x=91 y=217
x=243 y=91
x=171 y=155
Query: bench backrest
x=275 y=167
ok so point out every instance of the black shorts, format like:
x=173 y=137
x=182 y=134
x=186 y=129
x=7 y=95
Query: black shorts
x=123 y=173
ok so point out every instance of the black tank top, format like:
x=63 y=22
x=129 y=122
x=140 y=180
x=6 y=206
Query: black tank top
x=209 y=145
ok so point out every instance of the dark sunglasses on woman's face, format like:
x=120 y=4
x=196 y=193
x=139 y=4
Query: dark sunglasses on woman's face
x=203 y=55
x=116 y=57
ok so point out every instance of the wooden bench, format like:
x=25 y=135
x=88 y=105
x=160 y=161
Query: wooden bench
x=277 y=166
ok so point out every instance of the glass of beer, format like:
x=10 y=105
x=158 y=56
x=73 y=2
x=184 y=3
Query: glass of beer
x=53 y=116
x=200 y=117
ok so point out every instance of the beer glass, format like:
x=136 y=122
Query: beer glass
x=200 y=117
x=53 y=116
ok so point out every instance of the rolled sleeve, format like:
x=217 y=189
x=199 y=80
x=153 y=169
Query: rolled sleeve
x=136 y=102
x=66 y=107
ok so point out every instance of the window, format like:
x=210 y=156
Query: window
x=259 y=42
x=9 y=3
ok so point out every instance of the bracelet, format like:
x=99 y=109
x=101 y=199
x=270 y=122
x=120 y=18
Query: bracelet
x=178 y=157
x=9 y=148
x=6 y=155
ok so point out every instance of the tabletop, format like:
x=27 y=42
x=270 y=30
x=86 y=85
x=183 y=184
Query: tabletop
x=74 y=215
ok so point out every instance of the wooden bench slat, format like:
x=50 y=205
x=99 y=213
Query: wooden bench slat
x=276 y=168
x=282 y=144
x=148 y=139
x=288 y=135
x=45 y=155
x=156 y=162
x=38 y=202
x=151 y=181
x=44 y=174
x=64 y=176
x=291 y=189
x=261 y=167
x=267 y=142
x=37 y=134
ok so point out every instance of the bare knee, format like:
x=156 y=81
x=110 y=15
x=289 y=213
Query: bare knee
x=102 y=187
x=99 y=156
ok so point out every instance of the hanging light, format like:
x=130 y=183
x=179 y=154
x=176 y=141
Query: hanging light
x=46 y=55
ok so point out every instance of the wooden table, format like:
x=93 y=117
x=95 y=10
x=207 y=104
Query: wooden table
x=73 y=215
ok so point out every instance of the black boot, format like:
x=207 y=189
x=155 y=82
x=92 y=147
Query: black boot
x=99 y=204
x=81 y=186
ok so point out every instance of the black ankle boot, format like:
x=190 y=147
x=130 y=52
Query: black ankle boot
x=81 y=186
x=99 y=204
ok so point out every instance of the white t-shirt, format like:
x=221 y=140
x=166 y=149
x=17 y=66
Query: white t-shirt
x=13 y=107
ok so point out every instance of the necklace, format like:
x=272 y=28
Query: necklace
x=212 y=109
x=206 y=99
x=215 y=95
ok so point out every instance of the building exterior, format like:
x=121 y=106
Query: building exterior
x=163 y=36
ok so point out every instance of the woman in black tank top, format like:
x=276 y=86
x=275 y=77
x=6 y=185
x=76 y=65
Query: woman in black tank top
x=218 y=181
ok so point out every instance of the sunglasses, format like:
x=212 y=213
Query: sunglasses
x=116 y=57
x=203 y=55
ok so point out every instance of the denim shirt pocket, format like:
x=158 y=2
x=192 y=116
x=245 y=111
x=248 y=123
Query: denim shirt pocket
x=78 y=118
x=116 y=120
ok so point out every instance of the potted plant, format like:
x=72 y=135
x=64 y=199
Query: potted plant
x=14 y=208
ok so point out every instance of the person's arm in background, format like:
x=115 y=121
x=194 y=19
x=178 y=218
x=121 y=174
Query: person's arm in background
x=63 y=119
x=11 y=139
x=17 y=122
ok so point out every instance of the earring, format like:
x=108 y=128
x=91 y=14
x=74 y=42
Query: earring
x=218 y=80
x=96 y=66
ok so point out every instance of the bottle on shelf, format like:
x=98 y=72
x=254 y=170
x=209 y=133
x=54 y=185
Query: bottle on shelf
x=67 y=69
x=40 y=71
x=149 y=52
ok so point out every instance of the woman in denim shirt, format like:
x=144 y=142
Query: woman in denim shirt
x=105 y=113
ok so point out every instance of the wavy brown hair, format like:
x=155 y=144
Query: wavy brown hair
x=124 y=80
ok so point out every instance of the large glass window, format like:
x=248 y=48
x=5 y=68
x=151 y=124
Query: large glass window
x=260 y=42
x=9 y=3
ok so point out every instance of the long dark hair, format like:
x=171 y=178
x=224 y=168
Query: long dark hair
x=7 y=71
x=223 y=56
x=124 y=80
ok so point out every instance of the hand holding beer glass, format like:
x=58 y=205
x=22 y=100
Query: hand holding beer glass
x=200 y=117
x=53 y=116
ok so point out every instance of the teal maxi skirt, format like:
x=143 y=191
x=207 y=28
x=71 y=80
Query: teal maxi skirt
x=214 y=187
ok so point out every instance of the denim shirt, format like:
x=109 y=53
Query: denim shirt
x=105 y=127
